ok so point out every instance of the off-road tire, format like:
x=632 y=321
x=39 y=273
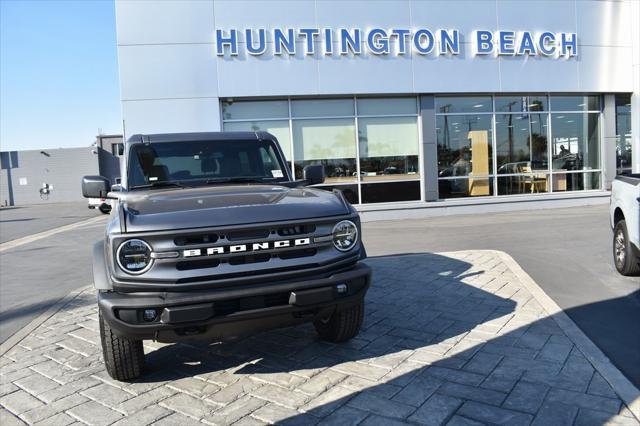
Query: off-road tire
x=105 y=209
x=627 y=264
x=123 y=357
x=342 y=325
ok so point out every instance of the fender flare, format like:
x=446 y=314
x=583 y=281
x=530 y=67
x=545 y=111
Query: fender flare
x=100 y=277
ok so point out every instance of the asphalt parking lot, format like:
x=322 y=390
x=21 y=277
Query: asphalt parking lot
x=566 y=251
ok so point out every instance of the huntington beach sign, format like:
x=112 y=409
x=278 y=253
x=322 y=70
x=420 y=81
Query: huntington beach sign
x=398 y=42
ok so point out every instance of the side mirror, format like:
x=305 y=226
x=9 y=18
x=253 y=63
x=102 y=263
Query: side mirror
x=95 y=187
x=314 y=174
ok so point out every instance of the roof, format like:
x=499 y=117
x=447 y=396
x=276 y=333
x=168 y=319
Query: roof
x=201 y=136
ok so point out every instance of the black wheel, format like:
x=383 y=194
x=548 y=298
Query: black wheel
x=123 y=358
x=342 y=325
x=623 y=257
x=105 y=208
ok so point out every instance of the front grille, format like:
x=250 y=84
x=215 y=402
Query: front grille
x=187 y=240
x=296 y=230
x=296 y=254
x=253 y=234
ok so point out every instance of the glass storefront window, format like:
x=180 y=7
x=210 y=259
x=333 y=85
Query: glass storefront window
x=575 y=103
x=278 y=128
x=576 y=181
x=575 y=141
x=530 y=183
x=307 y=108
x=521 y=141
x=460 y=104
x=464 y=145
x=251 y=110
x=387 y=106
x=465 y=187
x=388 y=148
x=623 y=134
x=521 y=103
x=330 y=142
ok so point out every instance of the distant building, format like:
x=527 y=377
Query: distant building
x=23 y=173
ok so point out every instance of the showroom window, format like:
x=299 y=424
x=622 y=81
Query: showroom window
x=368 y=146
x=623 y=134
x=531 y=144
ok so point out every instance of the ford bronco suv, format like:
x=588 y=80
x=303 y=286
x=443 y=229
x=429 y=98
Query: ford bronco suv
x=211 y=238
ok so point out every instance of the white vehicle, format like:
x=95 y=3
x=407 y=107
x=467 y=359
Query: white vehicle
x=625 y=221
x=101 y=204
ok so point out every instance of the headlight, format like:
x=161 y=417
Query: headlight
x=345 y=235
x=134 y=256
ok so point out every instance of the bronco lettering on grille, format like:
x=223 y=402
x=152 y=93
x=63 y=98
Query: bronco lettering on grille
x=244 y=248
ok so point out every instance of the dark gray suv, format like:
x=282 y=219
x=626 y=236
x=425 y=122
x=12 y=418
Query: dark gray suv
x=211 y=238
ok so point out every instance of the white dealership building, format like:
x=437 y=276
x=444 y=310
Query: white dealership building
x=409 y=104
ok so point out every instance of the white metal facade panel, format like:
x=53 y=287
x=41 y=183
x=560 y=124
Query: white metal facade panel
x=174 y=53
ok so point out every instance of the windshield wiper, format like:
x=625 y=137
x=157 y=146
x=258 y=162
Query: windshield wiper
x=238 y=179
x=161 y=184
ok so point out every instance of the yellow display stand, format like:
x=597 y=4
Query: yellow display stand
x=479 y=163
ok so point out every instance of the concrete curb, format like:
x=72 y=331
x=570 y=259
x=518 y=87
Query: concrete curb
x=40 y=235
x=35 y=323
x=629 y=394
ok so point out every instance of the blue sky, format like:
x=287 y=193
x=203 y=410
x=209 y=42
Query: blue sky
x=58 y=73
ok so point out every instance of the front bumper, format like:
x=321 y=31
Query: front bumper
x=220 y=314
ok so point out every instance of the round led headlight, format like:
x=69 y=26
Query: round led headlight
x=345 y=235
x=134 y=256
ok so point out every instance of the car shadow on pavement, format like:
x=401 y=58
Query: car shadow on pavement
x=442 y=341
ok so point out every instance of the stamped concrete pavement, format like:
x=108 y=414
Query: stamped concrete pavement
x=453 y=338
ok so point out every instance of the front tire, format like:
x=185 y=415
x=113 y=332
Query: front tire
x=123 y=357
x=623 y=257
x=105 y=209
x=342 y=325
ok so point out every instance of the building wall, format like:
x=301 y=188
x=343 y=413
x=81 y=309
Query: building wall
x=172 y=79
x=63 y=169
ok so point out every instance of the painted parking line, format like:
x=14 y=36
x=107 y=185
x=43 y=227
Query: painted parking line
x=35 y=237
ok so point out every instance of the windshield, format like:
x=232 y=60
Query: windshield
x=195 y=163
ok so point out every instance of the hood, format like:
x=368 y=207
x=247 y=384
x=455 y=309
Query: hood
x=159 y=210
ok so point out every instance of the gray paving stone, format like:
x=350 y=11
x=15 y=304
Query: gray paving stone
x=288 y=398
x=458 y=341
x=436 y=410
x=60 y=419
x=596 y=418
x=107 y=395
x=20 y=401
x=482 y=363
x=177 y=419
x=418 y=391
x=458 y=376
x=236 y=410
x=463 y=421
x=94 y=414
x=599 y=386
x=8 y=419
x=42 y=413
x=381 y=406
x=527 y=397
x=345 y=416
x=473 y=393
x=188 y=405
x=583 y=400
x=144 y=400
x=146 y=417
x=555 y=414
x=329 y=401
x=490 y=414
